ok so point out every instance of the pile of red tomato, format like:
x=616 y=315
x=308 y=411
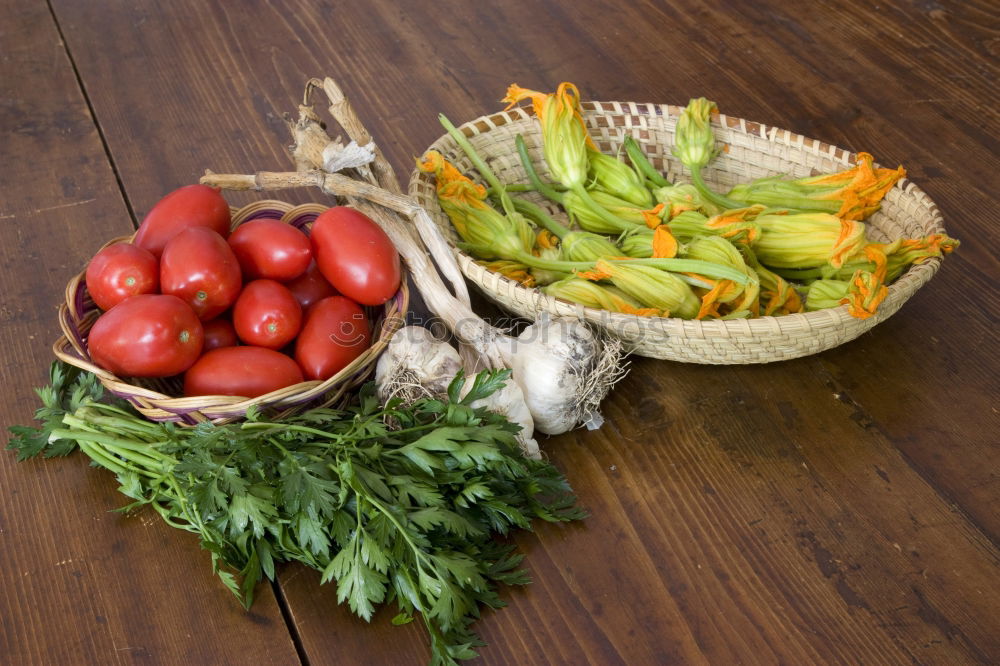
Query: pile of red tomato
x=242 y=313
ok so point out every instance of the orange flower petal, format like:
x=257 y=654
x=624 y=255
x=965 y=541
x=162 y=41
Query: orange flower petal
x=593 y=275
x=546 y=239
x=652 y=216
x=516 y=93
x=664 y=243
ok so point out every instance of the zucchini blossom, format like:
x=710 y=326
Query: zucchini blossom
x=651 y=287
x=565 y=140
x=547 y=250
x=601 y=297
x=486 y=232
x=613 y=176
x=643 y=242
x=586 y=246
x=777 y=296
x=902 y=253
x=683 y=197
x=863 y=293
x=806 y=240
x=624 y=215
x=694 y=141
x=718 y=250
x=736 y=225
x=853 y=194
x=511 y=270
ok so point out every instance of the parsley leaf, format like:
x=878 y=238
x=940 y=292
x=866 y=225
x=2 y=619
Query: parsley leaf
x=408 y=514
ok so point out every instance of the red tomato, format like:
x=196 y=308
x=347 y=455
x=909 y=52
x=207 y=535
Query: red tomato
x=355 y=255
x=241 y=371
x=150 y=335
x=219 y=332
x=266 y=314
x=310 y=287
x=189 y=206
x=198 y=267
x=119 y=271
x=335 y=333
x=268 y=248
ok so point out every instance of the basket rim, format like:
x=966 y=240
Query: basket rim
x=899 y=291
x=77 y=313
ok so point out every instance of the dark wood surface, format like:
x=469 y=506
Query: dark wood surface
x=841 y=508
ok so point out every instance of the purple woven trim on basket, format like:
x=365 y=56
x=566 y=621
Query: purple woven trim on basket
x=267 y=213
x=133 y=400
x=300 y=221
x=236 y=413
x=77 y=336
x=176 y=414
x=301 y=401
x=80 y=297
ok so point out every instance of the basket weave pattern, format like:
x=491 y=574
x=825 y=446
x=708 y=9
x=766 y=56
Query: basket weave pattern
x=156 y=398
x=751 y=151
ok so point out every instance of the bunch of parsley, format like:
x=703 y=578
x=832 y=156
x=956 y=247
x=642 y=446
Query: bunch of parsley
x=407 y=513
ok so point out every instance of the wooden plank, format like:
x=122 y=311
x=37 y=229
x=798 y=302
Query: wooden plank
x=82 y=584
x=795 y=513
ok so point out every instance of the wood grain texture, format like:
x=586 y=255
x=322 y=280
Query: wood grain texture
x=81 y=584
x=834 y=509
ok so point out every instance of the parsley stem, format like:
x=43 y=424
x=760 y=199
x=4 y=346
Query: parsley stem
x=419 y=554
x=93 y=413
x=149 y=460
x=264 y=425
x=108 y=461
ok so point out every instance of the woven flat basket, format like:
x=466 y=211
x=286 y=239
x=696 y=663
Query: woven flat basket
x=751 y=151
x=157 y=399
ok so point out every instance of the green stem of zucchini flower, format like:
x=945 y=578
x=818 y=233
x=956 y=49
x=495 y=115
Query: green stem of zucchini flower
x=584 y=197
x=470 y=152
x=515 y=187
x=705 y=268
x=612 y=175
x=535 y=213
x=543 y=188
x=640 y=161
x=713 y=196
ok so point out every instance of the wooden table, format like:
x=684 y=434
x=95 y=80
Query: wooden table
x=841 y=508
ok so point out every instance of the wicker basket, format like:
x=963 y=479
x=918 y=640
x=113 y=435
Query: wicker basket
x=751 y=151
x=155 y=398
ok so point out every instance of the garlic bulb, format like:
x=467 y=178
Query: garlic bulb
x=509 y=401
x=564 y=371
x=416 y=364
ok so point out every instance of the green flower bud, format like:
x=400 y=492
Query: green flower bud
x=615 y=177
x=694 y=141
x=807 y=240
x=597 y=296
x=649 y=286
x=586 y=246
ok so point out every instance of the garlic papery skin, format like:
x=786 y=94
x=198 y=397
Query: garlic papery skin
x=564 y=371
x=509 y=402
x=416 y=364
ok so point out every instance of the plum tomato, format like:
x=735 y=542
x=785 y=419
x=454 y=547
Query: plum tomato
x=219 y=332
x=335 y=333
x=310 y=287
x=149 y=335
x=266 y=314
x=355 y=255
x=119 y=271
x=241 y=371
x=198 y=267
x=189 y=206
x=269 y=248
